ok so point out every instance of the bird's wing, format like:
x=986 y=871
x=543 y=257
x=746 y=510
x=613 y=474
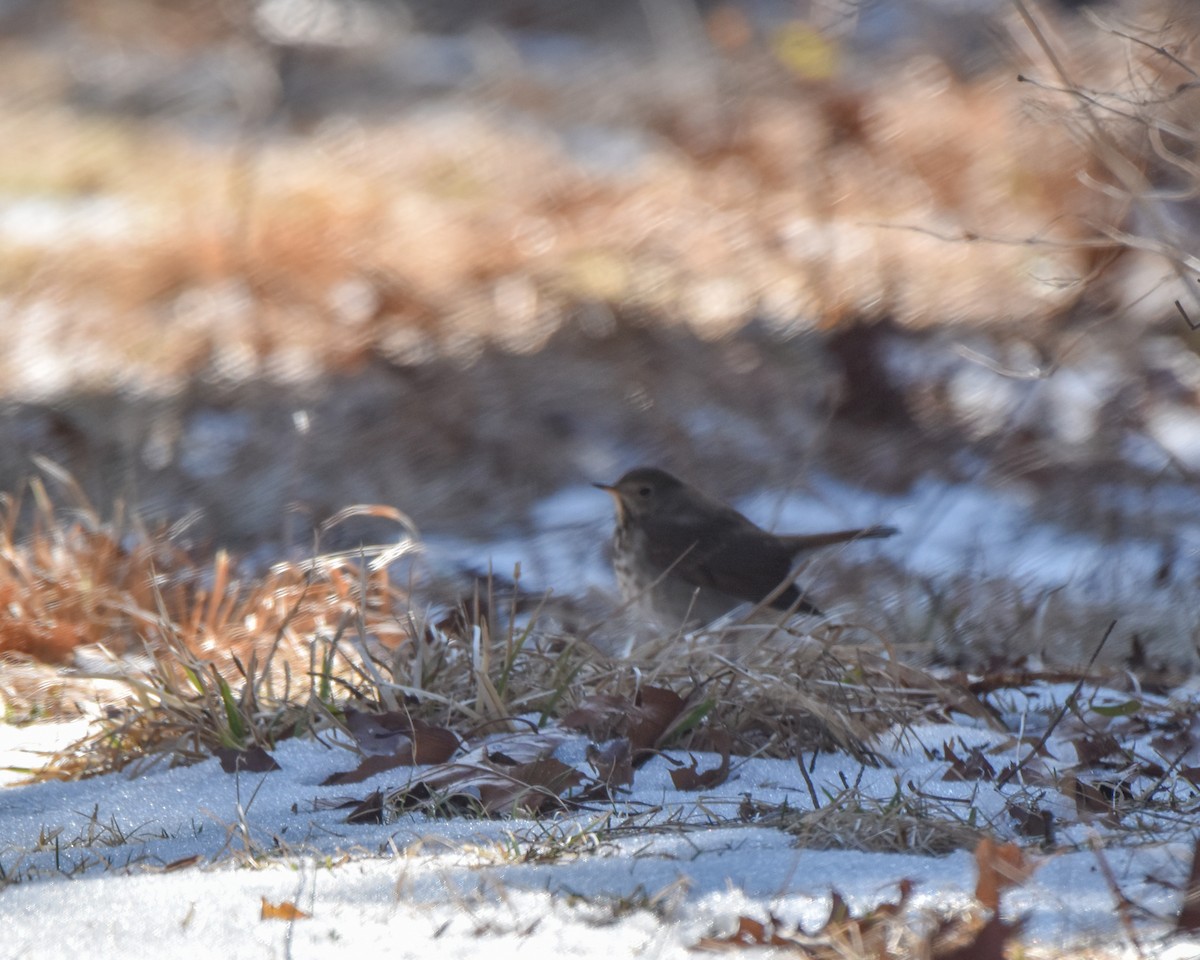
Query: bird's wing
x=731 y=555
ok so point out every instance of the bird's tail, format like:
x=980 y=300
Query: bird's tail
x=802 y=542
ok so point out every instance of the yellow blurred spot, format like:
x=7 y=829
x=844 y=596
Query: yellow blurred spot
x=805 y=51
x=598 y=275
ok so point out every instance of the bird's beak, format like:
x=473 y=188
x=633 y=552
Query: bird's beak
x=617 y=501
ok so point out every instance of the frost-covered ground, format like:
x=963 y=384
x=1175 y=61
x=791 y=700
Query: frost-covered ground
x=180 y=861
x=989 y=551
x=987 y=531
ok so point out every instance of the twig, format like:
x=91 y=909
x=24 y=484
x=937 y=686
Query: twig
x=812 y=790
x=1004 y=778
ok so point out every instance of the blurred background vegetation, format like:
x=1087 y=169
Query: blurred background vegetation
x=262 y=260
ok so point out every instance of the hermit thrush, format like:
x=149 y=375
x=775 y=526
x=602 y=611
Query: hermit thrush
x=686 y=559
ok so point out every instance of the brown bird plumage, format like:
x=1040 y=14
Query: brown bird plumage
x=686 y=558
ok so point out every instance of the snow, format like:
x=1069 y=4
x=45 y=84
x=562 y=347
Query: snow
x=180 y=860
x=648 y=874
x=946 y=530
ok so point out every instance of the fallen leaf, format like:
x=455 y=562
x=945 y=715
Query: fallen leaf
x=839 y=911
x=600 y=717
x=182 y=863
x=612 y=763
x=974 y=766
x=516 y=749
x=1095 y=747
x=282 y=911
x=368 y=767
x=251 y=760
x=529 y=788
x=643 y=722
x=753 y=933
x=906 y=886
x=1000 y=865
x=1191 y=775
x=653 y=712
x=1104 y=797
x=691 y=778
x=987 y=944
x=368 y=810
x=1038 y=824
x=412 y=742
x=484 y=787
x=843 y=935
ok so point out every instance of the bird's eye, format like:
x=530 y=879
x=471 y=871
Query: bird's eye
x=644 y=492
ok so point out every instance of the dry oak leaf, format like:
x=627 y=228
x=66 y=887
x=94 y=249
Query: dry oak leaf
x=405 y=742
x=1000 y=865
x=285 y=910
x=250 y=760
x=643 y=722
x=691 y=778
x=613 y=763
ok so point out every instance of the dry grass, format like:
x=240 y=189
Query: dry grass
x=439 y=230
x=425 y=235
x=918 y=198
x=213 y=659
x=237 y=666
x=75 y=579
x=118 y=598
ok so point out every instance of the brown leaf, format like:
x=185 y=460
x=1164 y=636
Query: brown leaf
x=690 y=778
x=1191 y=775
x=396 y=733
x=601 y=717
x=654 y=710
x=755 y=933
x=251 y=760
x=1095 y=747
x=613 y=763
x=750 y=931
x=906 y=886
x=642 y=722
x=368 y=767
x=865 y=935
x=1105 y=797
x=484 y=787
x=987 y=944
x=1174 y=743
x=286 y=910
x=1000 y=866
x=839 y=911
x=516 y=749
x=432 y=744
x=370 y=810
x=842 y=935
x=182 y=863
x=523 y=778
x=1038 y=823
x=412 y=742
x=1189 y=912
x=974 y=766
x=529 y=788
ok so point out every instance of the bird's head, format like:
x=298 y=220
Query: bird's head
x=644 y=490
